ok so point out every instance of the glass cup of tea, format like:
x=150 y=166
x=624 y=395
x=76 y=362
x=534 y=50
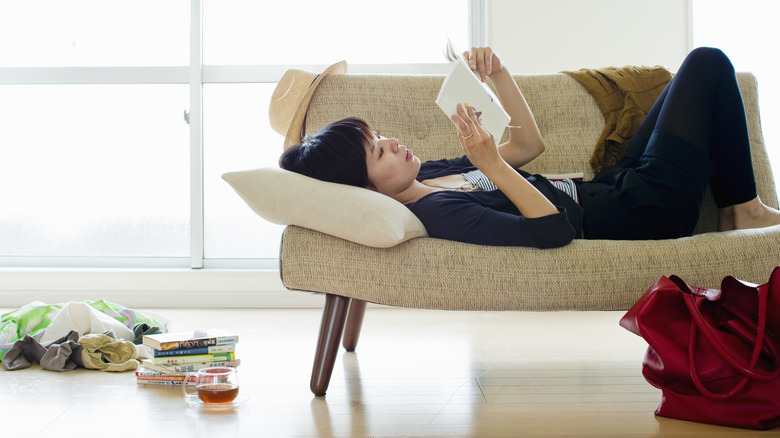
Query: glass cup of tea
x=213 y=385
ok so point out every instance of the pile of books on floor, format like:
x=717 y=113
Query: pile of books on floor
x=176 y=354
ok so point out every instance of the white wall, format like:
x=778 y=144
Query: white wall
x=534 y=36
x=142 y=288
x=543 y=36
x=749 y=35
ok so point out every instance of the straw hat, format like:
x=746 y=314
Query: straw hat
x=291 y=98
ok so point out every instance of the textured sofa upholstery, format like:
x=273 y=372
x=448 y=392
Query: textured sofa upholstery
x=437 y=274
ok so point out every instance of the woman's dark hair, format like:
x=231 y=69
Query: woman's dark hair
x=337 y=153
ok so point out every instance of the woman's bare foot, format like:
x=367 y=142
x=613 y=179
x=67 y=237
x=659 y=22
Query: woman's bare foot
x=754 y=214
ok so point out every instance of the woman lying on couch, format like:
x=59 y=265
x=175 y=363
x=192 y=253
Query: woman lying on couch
x=695 y=135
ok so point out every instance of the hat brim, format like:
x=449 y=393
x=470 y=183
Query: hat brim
x=295 y=131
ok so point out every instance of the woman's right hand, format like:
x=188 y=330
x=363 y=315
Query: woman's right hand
x=483 y=62
x=480 y=148
x=525 y=140
x=478 y=144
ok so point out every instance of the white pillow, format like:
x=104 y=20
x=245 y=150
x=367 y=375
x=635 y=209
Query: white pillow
x=352 y=213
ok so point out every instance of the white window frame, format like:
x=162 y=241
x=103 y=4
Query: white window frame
x=195 y=75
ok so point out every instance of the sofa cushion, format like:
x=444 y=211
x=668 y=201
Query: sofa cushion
x=352 y=213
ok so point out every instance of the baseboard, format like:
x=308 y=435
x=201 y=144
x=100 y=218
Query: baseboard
x=150 y=288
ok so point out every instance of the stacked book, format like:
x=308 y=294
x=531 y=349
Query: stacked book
x=176 y=354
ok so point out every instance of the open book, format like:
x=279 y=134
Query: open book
x=462 y=86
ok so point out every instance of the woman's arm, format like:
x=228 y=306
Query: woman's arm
x=525 y=143
x=480 y=147
x=449 y=215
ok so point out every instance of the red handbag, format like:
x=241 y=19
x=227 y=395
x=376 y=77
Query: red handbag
x=713 y=353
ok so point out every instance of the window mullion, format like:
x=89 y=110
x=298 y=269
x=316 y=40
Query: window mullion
x=92 y=75
x=225 y=74
x=478 y=28
x=196 y=134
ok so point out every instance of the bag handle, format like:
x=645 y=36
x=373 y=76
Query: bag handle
x=697 y=379
x=727 y=353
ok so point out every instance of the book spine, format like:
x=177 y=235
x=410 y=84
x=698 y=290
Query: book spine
x=160 y=377
x=228 y=348
x=216 y=357
x=188 y=367
x=190 y=343
x=158 y=382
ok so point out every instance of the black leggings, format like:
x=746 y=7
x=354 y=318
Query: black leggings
x=702 y=105
x=695 y=135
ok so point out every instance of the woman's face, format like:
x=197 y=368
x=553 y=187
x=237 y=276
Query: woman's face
x=392 y=167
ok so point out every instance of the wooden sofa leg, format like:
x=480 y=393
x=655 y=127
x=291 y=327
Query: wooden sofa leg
x=334 y=314
x=357 y=310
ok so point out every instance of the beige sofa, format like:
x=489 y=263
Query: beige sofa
x=437 y=274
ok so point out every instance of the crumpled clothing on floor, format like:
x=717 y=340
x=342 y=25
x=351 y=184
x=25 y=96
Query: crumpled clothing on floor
x=63 y=354
x=35 y=319
x=106 y=353
x=85 y=319
x=141 y=329
x=93 y=351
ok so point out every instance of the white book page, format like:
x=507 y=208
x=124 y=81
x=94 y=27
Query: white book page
x=461 y=86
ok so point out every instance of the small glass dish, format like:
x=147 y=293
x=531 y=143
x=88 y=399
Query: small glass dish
x=195 y=402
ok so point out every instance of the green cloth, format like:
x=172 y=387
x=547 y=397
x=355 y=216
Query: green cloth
x=33 y=319
x=141 y=329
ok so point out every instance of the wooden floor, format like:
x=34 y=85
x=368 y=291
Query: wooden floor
x=415 y=373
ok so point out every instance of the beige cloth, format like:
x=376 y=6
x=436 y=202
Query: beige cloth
x=102 y=352
x=624 y=96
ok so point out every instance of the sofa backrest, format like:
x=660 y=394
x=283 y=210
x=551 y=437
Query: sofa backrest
x=403 y=106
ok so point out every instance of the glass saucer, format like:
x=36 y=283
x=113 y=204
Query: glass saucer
x=195 y=402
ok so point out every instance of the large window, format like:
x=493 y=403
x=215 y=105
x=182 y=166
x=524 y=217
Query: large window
x=94 y=33
x=94 y=171
x=118 y=122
